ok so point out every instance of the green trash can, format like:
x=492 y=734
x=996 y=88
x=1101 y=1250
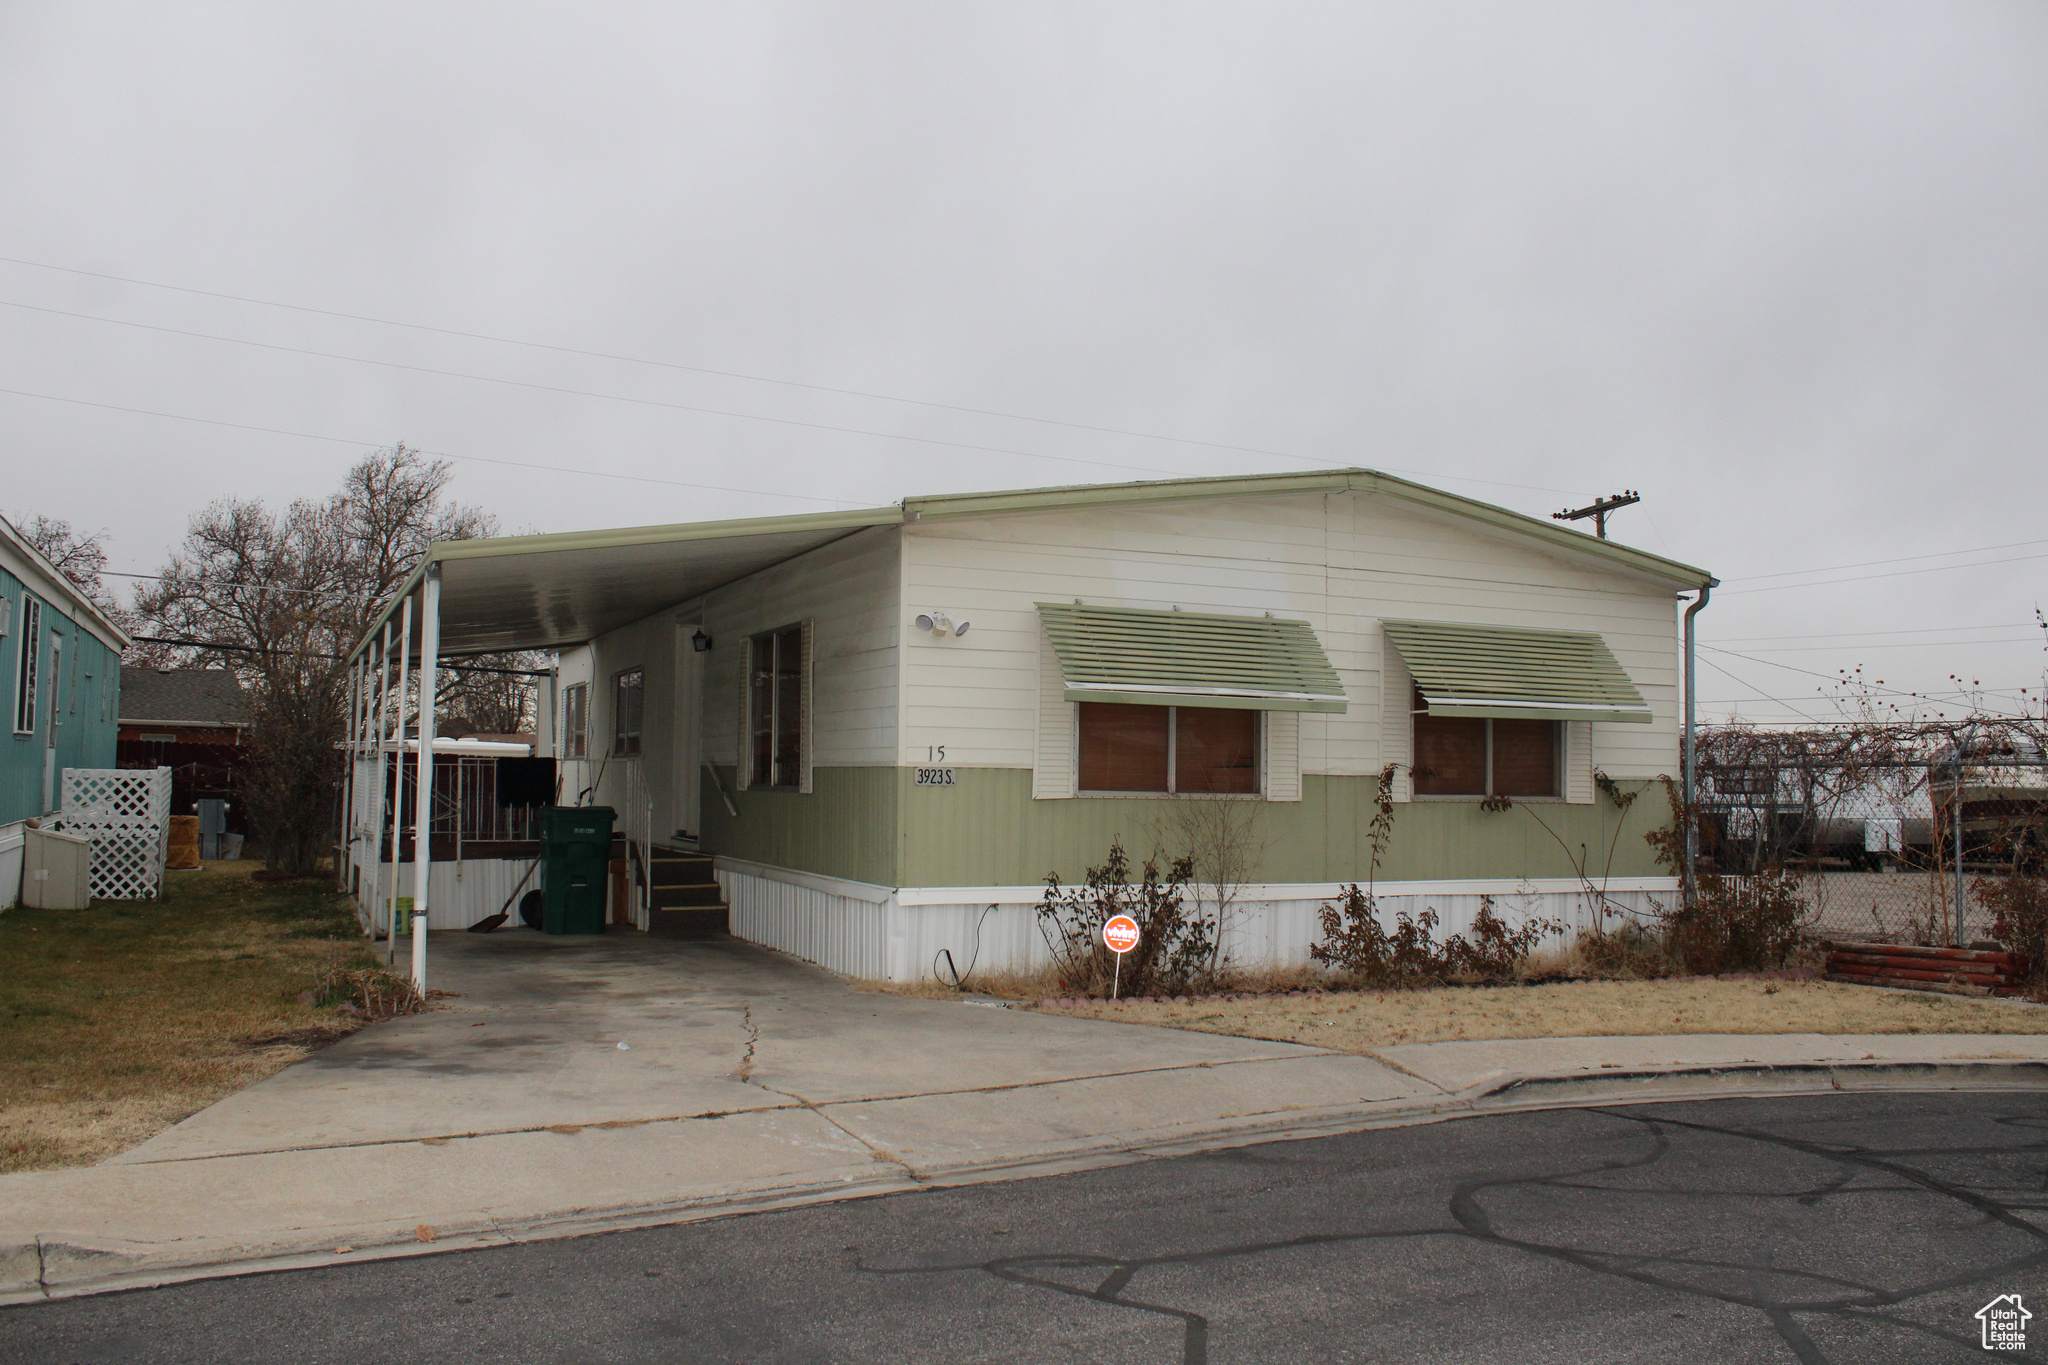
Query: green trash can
x=576 y=859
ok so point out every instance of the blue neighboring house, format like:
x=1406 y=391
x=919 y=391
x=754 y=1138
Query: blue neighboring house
x=61 y=690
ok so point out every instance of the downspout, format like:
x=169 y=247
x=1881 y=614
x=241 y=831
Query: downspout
x=1688 y=790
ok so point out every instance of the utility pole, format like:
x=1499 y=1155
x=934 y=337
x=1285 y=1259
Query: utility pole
x=1598 y=511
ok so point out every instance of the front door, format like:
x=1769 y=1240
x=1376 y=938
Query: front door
x=689 y=730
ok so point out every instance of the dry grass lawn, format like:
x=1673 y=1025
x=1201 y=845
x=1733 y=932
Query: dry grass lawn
x=117 y=1021
x=1356 y=1022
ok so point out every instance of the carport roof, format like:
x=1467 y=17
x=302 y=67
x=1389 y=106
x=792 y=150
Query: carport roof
x=553 y=591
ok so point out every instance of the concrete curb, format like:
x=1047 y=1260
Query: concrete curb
x=56 y=1267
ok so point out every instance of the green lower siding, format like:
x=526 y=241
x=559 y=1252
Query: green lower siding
x=874 y=825
x=844 y=827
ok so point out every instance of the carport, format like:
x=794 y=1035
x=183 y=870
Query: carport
x=513 y=593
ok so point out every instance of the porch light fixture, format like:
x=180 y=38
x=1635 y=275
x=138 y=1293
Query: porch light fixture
x=699 y=641
x=940 y=624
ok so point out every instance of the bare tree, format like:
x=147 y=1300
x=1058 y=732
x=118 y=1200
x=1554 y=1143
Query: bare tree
x=1224 y=841
x=280 y=598
x=80 y=558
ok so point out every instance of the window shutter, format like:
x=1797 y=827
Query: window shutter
x=1054 y=758
x=1283 y=755
x=1397 y=725
x=806 y=741
x=1578 y=762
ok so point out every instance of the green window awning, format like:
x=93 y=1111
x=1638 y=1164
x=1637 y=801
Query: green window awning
x=1186 y=658
x=1508 y=671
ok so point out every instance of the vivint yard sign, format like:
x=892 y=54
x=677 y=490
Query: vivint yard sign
x=1119 y=935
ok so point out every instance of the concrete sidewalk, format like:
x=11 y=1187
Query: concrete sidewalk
x=580 y=1085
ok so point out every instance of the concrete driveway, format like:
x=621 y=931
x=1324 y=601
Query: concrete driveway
x=543 y=1034
x=574 y=1085
x=571 y=1084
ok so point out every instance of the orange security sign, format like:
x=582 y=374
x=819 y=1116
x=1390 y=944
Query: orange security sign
x=1120 y=934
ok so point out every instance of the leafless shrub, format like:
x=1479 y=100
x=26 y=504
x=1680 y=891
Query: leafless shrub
x=1355 y=944
x=368 y=993
x=2019 y=920
x=1222 y=841
x=1740 y=924
x=1174 y=948
x=1626 y=952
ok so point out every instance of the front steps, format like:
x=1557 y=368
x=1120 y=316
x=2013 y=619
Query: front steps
x=685 y=900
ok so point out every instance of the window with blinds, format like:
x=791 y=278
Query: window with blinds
x=629 y=697
x=1178 y=749
x=1475 y=756
x=576 y=720
x=775 y=709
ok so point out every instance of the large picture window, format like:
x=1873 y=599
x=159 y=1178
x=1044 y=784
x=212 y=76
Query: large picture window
x=1472 y=756
x=1186 y=749
x=576 y=721
x=28 y=665
x=775 y=708
x=629 y=694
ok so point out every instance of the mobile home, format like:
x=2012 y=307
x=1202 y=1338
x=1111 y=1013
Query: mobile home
x=878 y=732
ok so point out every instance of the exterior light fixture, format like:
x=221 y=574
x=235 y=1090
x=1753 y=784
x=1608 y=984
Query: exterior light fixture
x=699 y=641
x=940 y=624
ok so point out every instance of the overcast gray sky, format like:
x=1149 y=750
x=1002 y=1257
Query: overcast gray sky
x=1779 y=266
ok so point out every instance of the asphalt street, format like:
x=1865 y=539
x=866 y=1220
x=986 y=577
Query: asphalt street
x=1864 y=1228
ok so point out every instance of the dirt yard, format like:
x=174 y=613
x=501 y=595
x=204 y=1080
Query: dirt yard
x=1358 y=1021
x=117 y=1021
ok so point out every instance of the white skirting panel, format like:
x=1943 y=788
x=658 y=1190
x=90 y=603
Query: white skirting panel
x=458 y=894
x=881 y=933
x=840 y=925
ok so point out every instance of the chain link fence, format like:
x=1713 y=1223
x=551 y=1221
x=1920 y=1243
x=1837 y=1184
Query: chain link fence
x=1894 y=838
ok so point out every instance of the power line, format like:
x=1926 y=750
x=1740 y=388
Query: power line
x=1861 y=634
x=437 y=454
x=1838 y=679
x=706 y=370
x=260 y=587
x=1899 y=644
x=1779 y=701
x=1902 y=559
x=251 y=649
x=610 y=397
x=1900 y=573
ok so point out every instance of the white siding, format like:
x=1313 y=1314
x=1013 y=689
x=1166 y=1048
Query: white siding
x=1343 y=562
x=848 y=591
x=846 y=594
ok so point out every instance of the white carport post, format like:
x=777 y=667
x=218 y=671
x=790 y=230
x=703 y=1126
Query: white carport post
x=374 y=835
x=351 y=818
x=398 y=784
x=423 y=820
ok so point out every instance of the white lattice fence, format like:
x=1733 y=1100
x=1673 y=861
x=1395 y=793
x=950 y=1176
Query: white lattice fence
x=126 y=812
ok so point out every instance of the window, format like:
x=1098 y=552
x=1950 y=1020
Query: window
x=27 y=662
x=1470 y=756
x=1187 y=749
x=629 y=692
x=576 y=721
x=775 y=708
